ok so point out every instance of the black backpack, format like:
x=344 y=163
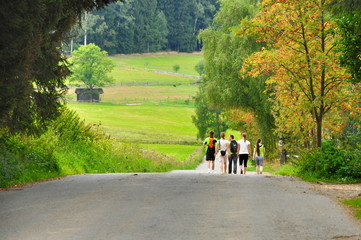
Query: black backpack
x=234 y=146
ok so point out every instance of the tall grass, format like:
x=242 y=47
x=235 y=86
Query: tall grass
x=71 y=146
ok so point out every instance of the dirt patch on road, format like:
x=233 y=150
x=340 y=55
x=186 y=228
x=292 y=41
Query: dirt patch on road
x=340 y=191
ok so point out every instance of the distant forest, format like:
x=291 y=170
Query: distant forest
x=140 y=26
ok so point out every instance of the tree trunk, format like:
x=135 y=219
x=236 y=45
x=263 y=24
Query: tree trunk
x=85 y=37
x=319 y=131
x=71 y=47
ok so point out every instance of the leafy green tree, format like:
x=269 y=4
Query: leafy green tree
x=348 y=13
x=205 y=118
x=224 y=53
x=33 y=68
x=199 y=67
x=91 y=66
x=176 y=68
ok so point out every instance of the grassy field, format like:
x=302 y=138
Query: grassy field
x=160 y=61
x=157 y=114
x=141 y=123
x=178 y=152
x=145 y=94
x=123 y=74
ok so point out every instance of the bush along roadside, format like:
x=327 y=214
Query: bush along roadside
x=70 y=146
x=330 y=163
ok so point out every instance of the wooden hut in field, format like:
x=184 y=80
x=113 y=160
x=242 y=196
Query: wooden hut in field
x=88 y=95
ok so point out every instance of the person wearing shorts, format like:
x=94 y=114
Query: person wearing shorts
x=210 y=144
x=244 y=150
x=258 y=155
x=223 y=145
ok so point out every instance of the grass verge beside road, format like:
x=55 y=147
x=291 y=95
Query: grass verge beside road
x=355 y=204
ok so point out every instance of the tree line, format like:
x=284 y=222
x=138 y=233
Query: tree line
x=139 y=26
x=292 y=65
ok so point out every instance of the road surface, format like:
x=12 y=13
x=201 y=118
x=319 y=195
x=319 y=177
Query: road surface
x=175 y=205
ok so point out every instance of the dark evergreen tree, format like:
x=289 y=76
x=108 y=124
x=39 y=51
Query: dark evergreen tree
x=149 y=26
x=31 y=62
x=181 y=17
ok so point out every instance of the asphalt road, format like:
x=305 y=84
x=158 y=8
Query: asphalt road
x=176 y=205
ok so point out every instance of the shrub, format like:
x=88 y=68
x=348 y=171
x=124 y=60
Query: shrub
x=25 y=159
x=331 y=163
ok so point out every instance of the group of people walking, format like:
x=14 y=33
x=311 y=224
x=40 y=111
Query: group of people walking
x=229 y=151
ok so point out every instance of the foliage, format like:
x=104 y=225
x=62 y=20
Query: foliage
x=176 y=68
x=224 y=53
x=91 y=66
x=330 y=162
x=199 y=67
x=205 y=118
x=32 y=65
x=242 y=122
x=348 y=14
x=312 y=97
x=23 y=159
x=70 y=146
x=138 y=26
x=286 y=170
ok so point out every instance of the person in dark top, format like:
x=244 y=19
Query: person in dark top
x=232 y=155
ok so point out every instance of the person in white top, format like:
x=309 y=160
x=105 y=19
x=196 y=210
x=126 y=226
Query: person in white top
x=244 y=150
x=223 y=147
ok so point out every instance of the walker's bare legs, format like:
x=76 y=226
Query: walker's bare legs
x=224 y=165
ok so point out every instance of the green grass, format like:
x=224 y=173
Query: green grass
x=356 y=205
x=176 y=151
x=141 y=123
x=285 y=170
x=162 y=61
x=121 y=74
x=188 y=156
x=145 y=94
x=162 y=119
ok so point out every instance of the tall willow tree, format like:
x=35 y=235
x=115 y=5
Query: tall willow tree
x=224 y=53
x=349 y=27
x=32 y=67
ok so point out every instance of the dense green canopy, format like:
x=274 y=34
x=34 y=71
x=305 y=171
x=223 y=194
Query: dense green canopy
x=32 y=65
x=138 y=26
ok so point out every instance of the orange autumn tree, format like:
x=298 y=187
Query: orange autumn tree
x=310 y=91
x=243 y=121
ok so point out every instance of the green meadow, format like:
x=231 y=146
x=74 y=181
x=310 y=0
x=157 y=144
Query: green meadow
x=180 y=152
x=148 y=108
x=178 y=94
x=160 y=61
x=141 y=123
x=123 y=74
